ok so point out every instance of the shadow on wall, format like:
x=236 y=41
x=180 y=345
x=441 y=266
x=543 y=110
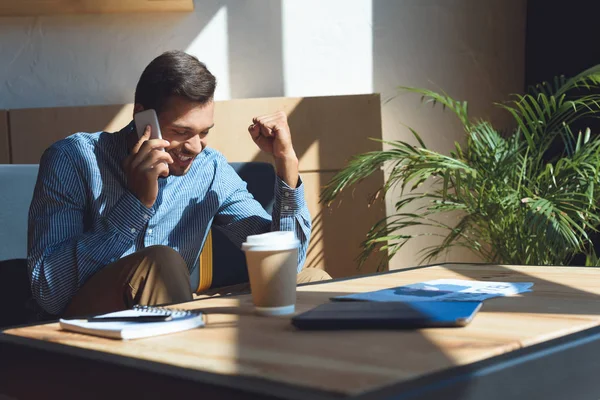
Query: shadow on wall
x=470 y=49
x=337 y=133
x=36 y=51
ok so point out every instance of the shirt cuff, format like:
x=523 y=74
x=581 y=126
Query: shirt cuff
x=129 y=216
x=290 y=200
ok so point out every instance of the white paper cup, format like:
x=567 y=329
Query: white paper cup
x=272 y=260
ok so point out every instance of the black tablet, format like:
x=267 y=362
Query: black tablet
x=390 y=315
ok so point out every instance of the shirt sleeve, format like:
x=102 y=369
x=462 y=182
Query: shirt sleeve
x=63 y=253
x=240 y=215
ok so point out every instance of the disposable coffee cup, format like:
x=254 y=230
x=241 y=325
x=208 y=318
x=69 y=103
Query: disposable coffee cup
x=272 y=260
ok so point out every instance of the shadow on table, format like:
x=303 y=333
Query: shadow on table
x=416 y=363
x=271 y=359
x=339 y=363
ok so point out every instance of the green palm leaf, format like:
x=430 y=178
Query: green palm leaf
x=513 y=201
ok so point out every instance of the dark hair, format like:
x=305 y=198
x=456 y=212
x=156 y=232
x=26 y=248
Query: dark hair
x=174 y=73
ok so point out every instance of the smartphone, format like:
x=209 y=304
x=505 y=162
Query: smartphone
x=145 y=118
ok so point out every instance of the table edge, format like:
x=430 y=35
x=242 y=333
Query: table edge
x=246 y=384
x=262 y=386
x=265 y=386
x=256 y=385
x=442 y=380
x=394 y=271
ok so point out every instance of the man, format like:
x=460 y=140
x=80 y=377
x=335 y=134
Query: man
x=116 y=221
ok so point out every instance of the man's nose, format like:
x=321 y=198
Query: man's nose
x=194 y=144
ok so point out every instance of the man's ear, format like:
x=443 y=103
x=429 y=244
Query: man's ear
x=137 y=108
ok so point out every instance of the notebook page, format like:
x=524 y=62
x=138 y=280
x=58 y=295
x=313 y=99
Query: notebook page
x=181 y=320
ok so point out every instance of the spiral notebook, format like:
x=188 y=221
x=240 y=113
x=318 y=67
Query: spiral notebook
x=136 y=326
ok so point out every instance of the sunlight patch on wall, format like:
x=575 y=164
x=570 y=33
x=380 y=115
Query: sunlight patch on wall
x=327 y=47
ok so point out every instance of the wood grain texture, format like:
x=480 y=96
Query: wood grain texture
x=54 y=7
x=338 y=230
x=326 y=131
x=235 y=342
x=4 y=140
x=33 y=130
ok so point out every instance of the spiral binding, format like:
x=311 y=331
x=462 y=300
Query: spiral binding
x=175 y=312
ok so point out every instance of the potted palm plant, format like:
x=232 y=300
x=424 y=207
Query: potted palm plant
x=529 y=196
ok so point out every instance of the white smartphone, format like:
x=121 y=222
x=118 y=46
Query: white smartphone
x=145 y=118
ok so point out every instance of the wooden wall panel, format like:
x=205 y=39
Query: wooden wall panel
x=326 y=131
x=52 y=7
x=337 y=231
x=34 y=130
x=4 y=142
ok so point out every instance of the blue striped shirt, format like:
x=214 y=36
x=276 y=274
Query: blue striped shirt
x=83 y=217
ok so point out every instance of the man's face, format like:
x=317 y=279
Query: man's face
x=185 y=124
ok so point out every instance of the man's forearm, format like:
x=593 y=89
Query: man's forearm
x=287 y=170
x=61 y=260
x=291 y=214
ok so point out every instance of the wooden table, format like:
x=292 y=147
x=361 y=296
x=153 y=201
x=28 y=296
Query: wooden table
x=543 y=344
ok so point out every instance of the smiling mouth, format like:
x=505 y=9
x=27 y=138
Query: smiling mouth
x=183 y=158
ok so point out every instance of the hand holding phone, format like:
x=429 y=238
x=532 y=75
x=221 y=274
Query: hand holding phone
x=143 y=119
x=147 y=161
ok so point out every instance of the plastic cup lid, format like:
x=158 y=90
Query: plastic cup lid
x=278 y=240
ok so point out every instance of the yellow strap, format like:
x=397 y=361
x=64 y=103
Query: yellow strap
x=206 y=264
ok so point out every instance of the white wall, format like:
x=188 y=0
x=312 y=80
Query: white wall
x=472 y=49
x=328 y=47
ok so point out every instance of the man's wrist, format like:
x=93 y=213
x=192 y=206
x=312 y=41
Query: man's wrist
x=287 y=169
x=129 y=215
x=289 y=201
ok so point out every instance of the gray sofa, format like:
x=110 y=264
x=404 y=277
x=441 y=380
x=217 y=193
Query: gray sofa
x=16 y=189
x=17 y=183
